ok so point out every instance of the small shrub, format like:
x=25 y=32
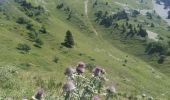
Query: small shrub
x=43 y=30
x=60 y=6
x=22 y=20
x=56 y=59
x=29 y=26
x=25 y=66
x=33 y=35
x=38 y=43
x=161 y=59
x=23 y=47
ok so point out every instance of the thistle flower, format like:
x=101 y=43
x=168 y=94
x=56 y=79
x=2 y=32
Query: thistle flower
x=69 y=71
x=81 y=67
x=81 y=64
x=98 y=71
x=69 y=86
x=38 y=95
x=95 y=98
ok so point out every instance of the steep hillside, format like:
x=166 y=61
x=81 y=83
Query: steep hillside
x=32 y=54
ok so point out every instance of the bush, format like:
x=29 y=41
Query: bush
x=60 y=6
x=23 y=47
x=33 y=35
x=29 y=9
x=43 y=30
x=29 y=26
x=22 y=20
x=56 y=59
x=159 y=47
x=38 y=43
x=135 y=13
x=161 y=59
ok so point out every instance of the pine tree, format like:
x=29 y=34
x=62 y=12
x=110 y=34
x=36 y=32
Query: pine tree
x=68 y=42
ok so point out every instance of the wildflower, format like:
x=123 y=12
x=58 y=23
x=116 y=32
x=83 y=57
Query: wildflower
x=69 y=86
x=81 y=67
x=81 y=64
x=95 y=98
x=38 y=95
x=98 y=71
x=69 y=71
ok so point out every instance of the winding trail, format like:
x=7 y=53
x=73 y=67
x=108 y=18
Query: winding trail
x=94 y=30
x=86 y=13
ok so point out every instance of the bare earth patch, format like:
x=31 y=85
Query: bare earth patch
x=152 y=35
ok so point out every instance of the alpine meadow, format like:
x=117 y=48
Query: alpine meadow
x=84 y=49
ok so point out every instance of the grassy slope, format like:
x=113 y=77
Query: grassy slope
x=133 y=46
x=136 y=76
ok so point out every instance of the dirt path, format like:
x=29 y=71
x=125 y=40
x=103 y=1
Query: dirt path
x=152 y=35
x=86 y=13
x=94 y=30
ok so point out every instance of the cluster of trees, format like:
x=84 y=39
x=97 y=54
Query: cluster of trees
x=33 y=34
x=160 y=47
x=108 y=20
x=135 y=13
x=111 y=20
x=29 y=9
x=66 y=9
x=36 y=12
x=133 y=30
x=149 y=15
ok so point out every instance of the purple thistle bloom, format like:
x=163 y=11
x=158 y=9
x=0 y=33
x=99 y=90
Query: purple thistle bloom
x=81 y=64
x=39 y=94
x=95 y=98
x=69 y=71
x=98 y=71
x=81 y=67
x=69 y=86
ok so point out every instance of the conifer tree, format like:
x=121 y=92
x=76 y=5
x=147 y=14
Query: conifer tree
x=69 y=42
